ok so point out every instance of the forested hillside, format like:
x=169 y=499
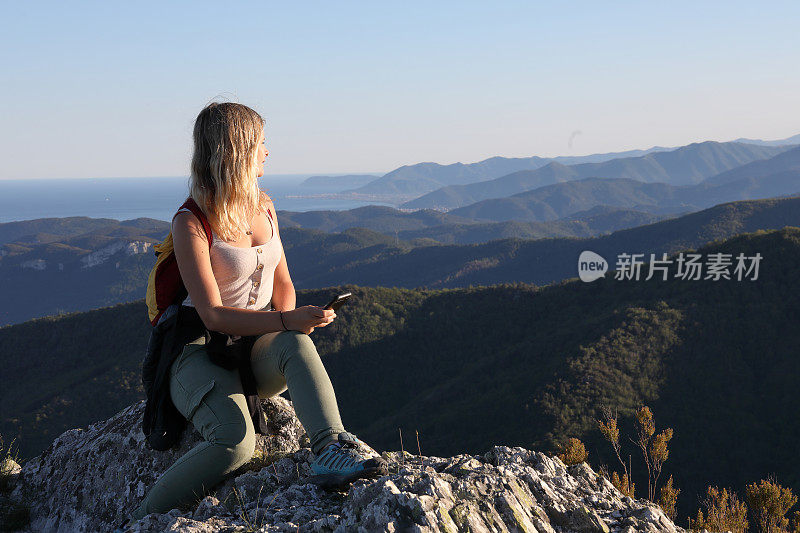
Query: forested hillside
x=332 y=259
x=35 y=284
x=515 y=364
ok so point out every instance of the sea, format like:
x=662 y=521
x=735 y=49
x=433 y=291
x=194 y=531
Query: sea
x=153 y=197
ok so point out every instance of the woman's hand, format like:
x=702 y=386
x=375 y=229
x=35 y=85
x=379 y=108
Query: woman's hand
x=307 y=318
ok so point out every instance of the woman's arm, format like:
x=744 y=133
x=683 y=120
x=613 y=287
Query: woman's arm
x=284 y=297
x=192 y=255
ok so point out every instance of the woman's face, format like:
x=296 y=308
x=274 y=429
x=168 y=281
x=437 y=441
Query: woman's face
x=262 y=154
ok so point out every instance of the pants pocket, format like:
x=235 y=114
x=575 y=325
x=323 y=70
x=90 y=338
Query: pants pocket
x=188 y=350
x=197 y=397
x=188 y=401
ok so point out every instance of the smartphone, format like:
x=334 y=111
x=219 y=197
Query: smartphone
x=338 y=301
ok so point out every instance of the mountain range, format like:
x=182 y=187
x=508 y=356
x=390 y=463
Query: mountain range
x=794 y=139
x=50 y=266
x=54 y=265
x=84 y=263
x=333 y=259
x=409 y=183
x=423 y=177
x=686 y=165
x=51 y=278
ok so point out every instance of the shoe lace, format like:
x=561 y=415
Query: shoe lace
x=342 y=454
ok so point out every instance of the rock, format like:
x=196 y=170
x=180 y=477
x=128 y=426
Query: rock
x=583 y=519
x=90 y=479
x=208 y=508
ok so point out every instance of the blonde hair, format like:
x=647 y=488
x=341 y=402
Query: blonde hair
x=224 y=172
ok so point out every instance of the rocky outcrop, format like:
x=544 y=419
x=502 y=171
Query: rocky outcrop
x=90 y=259
x=34 y=264
x=89 y=479
x=98 y=257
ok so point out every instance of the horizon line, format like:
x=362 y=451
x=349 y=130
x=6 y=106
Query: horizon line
x=380 y=174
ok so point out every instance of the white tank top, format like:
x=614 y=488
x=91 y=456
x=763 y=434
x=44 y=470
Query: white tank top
x=244 y=275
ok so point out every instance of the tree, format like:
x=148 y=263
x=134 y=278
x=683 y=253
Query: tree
x=608 y=427
x=654 y=447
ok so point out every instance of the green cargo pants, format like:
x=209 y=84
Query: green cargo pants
x=212 y=399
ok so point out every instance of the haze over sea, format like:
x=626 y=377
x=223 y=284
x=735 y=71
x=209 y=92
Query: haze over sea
x=127 y=198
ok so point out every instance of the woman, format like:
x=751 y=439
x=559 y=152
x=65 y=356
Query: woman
x=230 y=285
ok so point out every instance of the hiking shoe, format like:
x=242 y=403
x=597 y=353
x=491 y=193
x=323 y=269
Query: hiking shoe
x=345 y=460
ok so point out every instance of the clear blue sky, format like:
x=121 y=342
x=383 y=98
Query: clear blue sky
x=112 y=89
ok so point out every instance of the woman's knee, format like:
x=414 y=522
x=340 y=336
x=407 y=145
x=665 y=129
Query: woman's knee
x=237 y=438
x=290 y=344
x=294 y=340
x=224 y=420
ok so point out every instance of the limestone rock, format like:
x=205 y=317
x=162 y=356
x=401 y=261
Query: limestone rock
x=89 y=479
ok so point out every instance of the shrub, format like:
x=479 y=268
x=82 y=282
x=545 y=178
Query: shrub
x=624 y=485
x=724 y=512
x=769 y=503
x=796 y=522
x=14 y=514
x=8 y=462
x=669 y=499
x=574 y=452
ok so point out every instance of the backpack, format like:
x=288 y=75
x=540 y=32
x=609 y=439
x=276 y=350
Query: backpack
x=162 y=423
x=164 y=285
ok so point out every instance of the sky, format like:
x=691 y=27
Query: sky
x=106 y=89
